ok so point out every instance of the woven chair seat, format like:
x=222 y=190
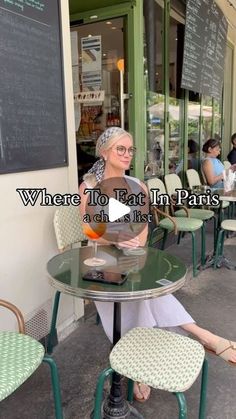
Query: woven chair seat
x=158 y=358
x=197 y=213
x=20 y=357
x=229 y=225
x=224 y=204
x=183 y=224
x=68 y=226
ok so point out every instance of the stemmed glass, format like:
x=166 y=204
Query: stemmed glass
x=94 y=231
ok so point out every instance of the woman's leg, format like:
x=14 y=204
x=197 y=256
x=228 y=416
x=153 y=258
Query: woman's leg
x=207 y=338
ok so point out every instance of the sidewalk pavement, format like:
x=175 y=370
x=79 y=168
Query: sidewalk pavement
x=210 y=298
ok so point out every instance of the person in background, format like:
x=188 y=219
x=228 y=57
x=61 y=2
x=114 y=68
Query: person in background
x=192 y=158
x=212 y=168
x=232 y=154
x=115 y=150
x=193 y=149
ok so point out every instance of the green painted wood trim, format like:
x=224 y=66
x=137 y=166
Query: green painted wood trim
x=232 y=46
x=213 y=118
x=185 y=134
x=165 y=54
x=200 y=124
x=136 y=82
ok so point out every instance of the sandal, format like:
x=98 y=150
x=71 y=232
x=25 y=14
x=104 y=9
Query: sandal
x=141 y=399
x=222 y=350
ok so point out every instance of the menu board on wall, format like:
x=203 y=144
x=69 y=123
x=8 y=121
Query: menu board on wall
x=204 y=48
x=32 y=114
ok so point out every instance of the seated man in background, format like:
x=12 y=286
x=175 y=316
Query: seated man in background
x=232 y=154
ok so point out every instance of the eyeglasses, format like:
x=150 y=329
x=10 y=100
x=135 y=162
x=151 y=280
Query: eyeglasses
x=121 y=150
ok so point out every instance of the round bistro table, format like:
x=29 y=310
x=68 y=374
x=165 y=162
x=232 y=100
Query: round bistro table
x=152 y=274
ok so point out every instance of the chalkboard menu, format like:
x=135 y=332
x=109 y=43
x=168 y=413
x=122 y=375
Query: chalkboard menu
x=204 y=48
x=32 y=114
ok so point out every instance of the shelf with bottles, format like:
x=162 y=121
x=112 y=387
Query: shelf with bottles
x=112 y=120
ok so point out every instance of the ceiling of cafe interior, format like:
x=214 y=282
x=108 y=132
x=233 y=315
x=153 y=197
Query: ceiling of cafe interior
x=78 y=6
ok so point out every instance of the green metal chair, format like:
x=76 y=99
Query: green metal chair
x=68 y=231
x=163 y=360
x=173 y=182
x=176 y=224
x=226 y=225
x=193 y=179
x=20 y=356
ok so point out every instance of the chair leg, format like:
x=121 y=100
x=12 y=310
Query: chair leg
x=52 y=339
x=203 y=243
x=182 y=405
x=98 y=320
x=130 y=394
x=203 y=397
x=222 y=243
x=218 y=247
x=164 y=239
x=220 y=216
x=215 y=231
x=99 y=392
x=194 y=255
x=179 y=237
x=55 y=386
x=152 y=234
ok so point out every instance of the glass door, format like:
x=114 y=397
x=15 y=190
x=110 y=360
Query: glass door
x=99 y=78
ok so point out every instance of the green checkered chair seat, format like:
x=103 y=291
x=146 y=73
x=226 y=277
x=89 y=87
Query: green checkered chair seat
x=183 y=224
x=224 y=205
x=199 y=214
x=160 y=359
x=20 y=356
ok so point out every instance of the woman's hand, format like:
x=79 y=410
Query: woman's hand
x=128 y=263
x=128 y=239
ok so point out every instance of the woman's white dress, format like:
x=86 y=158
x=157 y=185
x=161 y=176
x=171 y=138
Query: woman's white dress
x=164 y=311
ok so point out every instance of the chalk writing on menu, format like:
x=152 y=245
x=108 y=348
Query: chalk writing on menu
x=32 y=115
x=204 y=48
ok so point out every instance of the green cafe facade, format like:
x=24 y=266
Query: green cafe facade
x=146 y=38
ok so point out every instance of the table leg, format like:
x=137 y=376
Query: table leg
x=115 y=406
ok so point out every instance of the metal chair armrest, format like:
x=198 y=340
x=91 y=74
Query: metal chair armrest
x=157 y=210
x=17 y=312
x=182 y=207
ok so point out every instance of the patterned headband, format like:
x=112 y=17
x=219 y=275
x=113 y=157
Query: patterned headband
x=107 y=135
x=98 y=168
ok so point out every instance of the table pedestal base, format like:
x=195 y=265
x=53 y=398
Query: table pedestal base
x=124 y=411
x=222 y=261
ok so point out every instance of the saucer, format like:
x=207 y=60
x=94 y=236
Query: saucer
x=138 y=251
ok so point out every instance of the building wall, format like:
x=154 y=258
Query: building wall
x=27 y=236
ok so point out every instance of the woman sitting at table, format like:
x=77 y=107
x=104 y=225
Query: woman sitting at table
x=115 y=149
x=212 y=168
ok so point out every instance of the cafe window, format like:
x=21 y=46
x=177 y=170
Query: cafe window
x=194 y=125
x=153 y=56
x=99 y=66
x=176 y=101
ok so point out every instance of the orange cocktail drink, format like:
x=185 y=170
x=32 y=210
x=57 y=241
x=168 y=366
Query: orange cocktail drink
x=94 y=231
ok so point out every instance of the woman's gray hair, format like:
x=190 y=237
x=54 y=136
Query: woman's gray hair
x=95 y=174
